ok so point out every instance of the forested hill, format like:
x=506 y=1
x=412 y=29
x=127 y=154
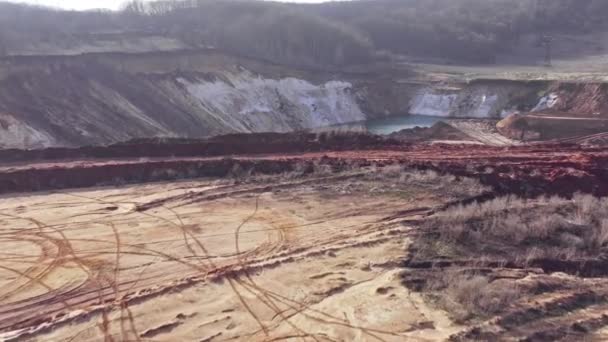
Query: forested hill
x=346 y=32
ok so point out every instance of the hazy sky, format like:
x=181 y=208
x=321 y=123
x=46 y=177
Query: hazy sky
x=112 y=4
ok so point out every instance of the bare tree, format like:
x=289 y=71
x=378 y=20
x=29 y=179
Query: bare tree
x=135 y=7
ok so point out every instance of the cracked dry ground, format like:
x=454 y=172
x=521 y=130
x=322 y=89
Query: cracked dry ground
x=314 y=258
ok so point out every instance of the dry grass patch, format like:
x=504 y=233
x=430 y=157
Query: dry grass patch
x=386 y=180
x=485 y=249
x=510 y=226
x=466 y=296
x=406 y=182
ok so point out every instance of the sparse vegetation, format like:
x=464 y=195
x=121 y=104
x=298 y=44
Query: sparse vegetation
x=543 y=227
x=468 y=296
x=368 y=179
x=475 y=241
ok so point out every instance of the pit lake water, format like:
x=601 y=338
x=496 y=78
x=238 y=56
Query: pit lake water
x=386 y=125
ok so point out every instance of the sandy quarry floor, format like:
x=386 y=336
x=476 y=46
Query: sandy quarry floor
x=317 y=259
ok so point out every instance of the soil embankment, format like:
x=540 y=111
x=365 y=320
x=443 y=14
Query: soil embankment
x=551 y=126
x=526 y=170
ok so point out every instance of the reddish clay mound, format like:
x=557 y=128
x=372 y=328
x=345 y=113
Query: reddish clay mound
x=439 y=131
x=525 y=170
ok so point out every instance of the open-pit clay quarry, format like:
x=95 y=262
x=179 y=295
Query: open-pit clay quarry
x=185 y=234
x=303 y=237
x=163 y=189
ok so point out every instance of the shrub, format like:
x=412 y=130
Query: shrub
x=547 y=224
x=469 y=295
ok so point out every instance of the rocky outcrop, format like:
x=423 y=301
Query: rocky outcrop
x=478 y=99
x=433 y=102
x=249 y=103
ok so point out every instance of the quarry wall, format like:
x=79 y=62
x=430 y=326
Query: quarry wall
x=94 y=99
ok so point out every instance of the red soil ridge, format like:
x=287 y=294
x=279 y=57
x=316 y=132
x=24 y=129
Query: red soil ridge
x=561 y=169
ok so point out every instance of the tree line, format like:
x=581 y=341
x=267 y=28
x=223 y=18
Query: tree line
x=335 y=33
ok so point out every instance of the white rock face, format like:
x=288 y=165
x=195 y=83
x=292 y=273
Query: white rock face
x=252 y=104
x=16 y=134
x=475 y=104
x=483 y=106
x=428 y=102
x=468 y=102
x=546 y=102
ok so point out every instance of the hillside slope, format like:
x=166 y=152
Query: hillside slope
x=78 y=101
